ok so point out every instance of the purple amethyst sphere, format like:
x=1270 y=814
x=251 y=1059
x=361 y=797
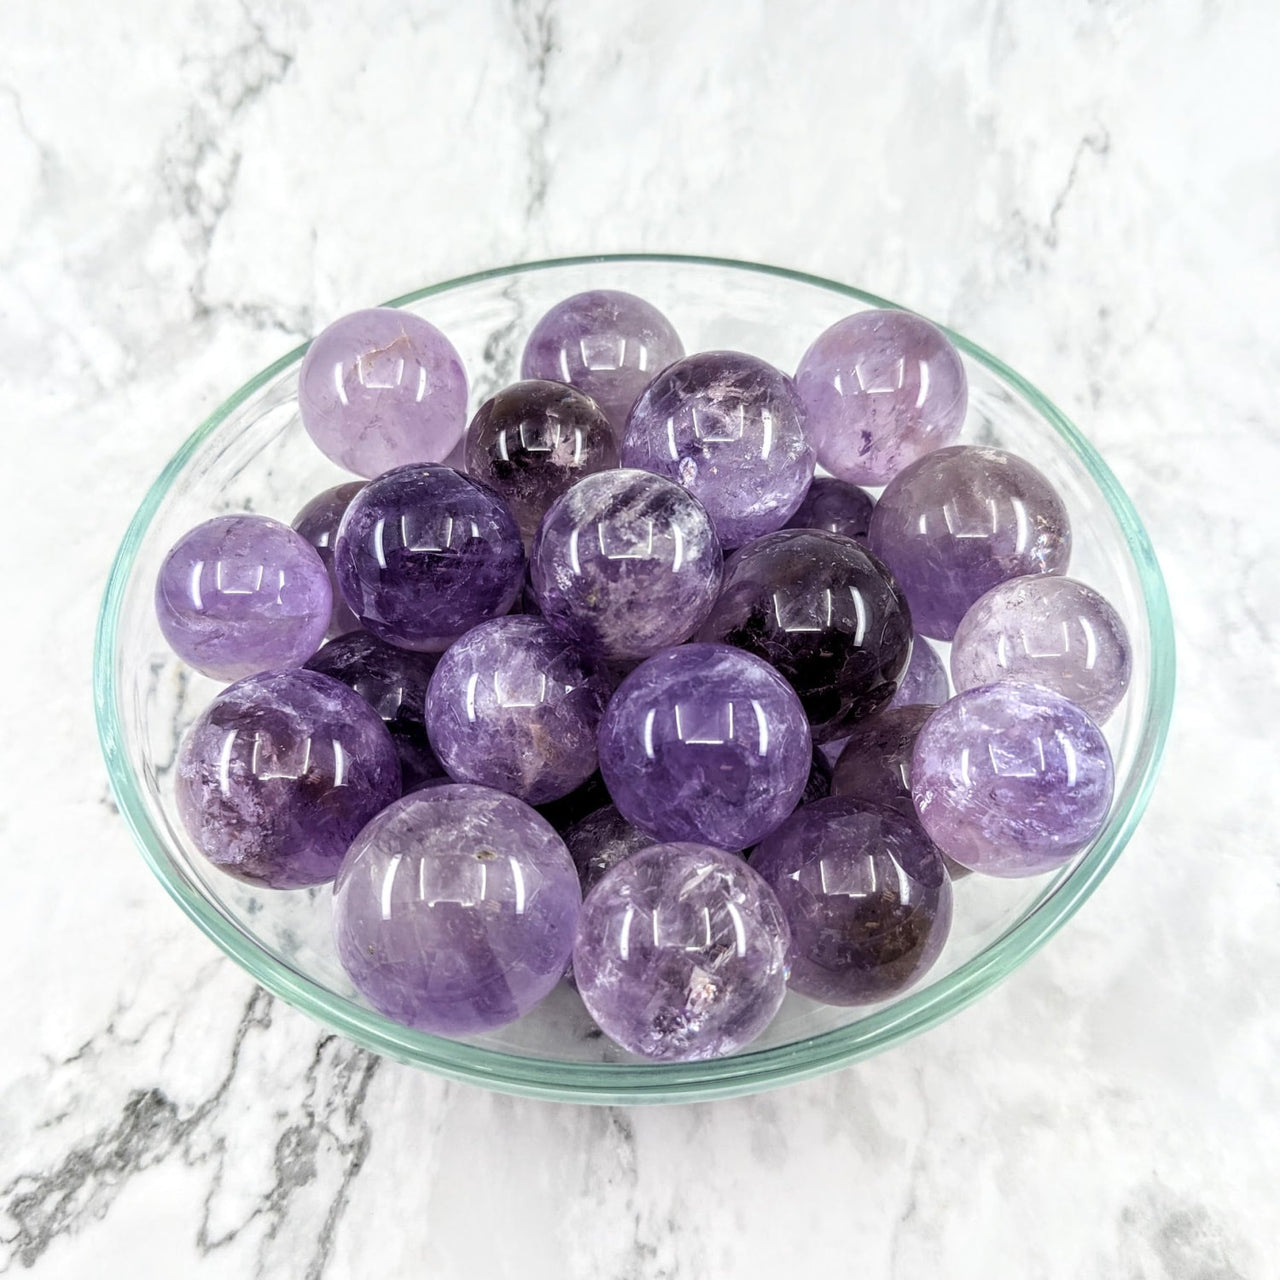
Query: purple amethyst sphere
x=279 y=773
x=836 y=506
x=681 y=953
x=924 y=683
x=240 y=594
x=318 y=522
x=730 y=428
x=875 y=764
x=455 y=908
x=601 y=840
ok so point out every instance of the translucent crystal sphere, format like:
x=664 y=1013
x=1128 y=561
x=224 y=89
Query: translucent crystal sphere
x=924 y=683
x=318 y=522
x=598 y=842
x=836 y=506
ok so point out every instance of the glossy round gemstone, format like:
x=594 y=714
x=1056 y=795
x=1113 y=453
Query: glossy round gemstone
x=866 y=897
x=681 y=953
x=455 y=909
x=279 y=773
x=836 y=506
x=924 y=683
x=515 y=706
x=1054 y=632
x=626 y=563
x=730 y=428
x=1011 y=779
x=534 y=440
x=826 y=614
x=705 y=743
x=582 y=800
x=318 y=522
x=240 y=594
x=598 y=842
x=881 y=389
x=607 y=343
x=393 y=682
x=425 y=553
x=382 y=388
x=959 y=521
x=875 y=764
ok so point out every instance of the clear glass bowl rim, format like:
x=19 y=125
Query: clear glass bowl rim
x=613 y=1083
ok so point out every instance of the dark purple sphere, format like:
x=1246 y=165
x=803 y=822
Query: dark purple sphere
x=598 y=842
x=818 y=784
x=582 y=800
x=875 y=764
x=318 y=522
x=836 y=506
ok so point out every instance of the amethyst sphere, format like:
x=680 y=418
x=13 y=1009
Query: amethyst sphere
x=681 y=953
x=875 y=764
x=1011 y=779
x=866 y=897
x=826 y=614
x=836 y=506
x=1054 y=632
x=730 y=428
x=279 y=773
x=626 y=563
x=534 y=440
x=515 y=706
x=318 y=522
x=382 y=388
x=959 y=521
x=425 y=553
x=394 y=683
x=881 y=389
x=924 y=683
x=705 y=743
x=598 y=842
x=454 y=911
x=240 y=594
x=606 y=343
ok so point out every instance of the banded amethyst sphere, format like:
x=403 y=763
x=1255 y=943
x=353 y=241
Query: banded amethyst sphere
x=455 y=910
x=240 y=594
x=626 y=563
x=533 y=441
x=705 y=743
x=836 y=506
x=318 y=522
x=1054 y=632
x=382 y=388
x=681 y=953
x=515 y=706
x=730 y=428
x=606 y=343
x=924 y=683
x=881 y=389
x=961 y=520
x=279 y=773
x=601 y=840
x=826 y=614
x=425 y=553
x=1011 y=779
x=394 y=683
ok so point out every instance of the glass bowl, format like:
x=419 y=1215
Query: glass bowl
x=252 y=454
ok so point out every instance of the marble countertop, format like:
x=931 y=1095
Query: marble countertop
x=188 y=189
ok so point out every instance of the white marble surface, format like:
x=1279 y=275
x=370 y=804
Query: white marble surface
x=187 y=188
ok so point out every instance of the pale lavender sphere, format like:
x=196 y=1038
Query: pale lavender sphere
x=681 y=953
x=318 y=522
x=425 y=553
x=866 y=897
x=515 y=706
x=1054 y=632
x=626 y=563
x=924 y=683
x=243 y=593
x=730 y=428
x=279 y=773
x=454 y=911
x=835 y=506
x=1011 y=779
x=705 y=743
x=961 y=520
x=881 y=389
x=381 y=388
x=604 y=342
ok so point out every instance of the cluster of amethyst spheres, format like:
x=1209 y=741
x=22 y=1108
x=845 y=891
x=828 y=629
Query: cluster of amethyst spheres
x=606 y=687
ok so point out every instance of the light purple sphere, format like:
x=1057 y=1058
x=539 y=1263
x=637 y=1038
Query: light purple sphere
x=835 y=506
x=279 y=773
x=705 y=743
x=1054 y=632
x=730 y=428
x=606 y=343
x=626 y=563
x=925 y=681
x=243 y=593
x=455 y=909
x=1011 y=779
x=515 y=706
x=681 y=953
x=381 y=388
x=961 y=520
x=318 y=522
